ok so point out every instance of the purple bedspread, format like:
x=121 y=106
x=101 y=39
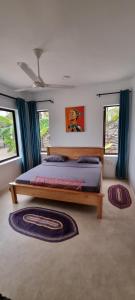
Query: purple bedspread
x=88 y=174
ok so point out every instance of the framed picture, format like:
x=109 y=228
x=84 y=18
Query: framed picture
x=74 y=117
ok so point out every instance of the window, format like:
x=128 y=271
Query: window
x=8 y=135
x=111 y=123
x=44 y=129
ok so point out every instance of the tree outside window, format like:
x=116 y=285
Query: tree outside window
x=44 y=130
x=8 y=136
x=111 y=124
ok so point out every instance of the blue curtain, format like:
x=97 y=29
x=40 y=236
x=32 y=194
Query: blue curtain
x=24 y=131
x=29 y=131
x=35 y=133
x=122 y=163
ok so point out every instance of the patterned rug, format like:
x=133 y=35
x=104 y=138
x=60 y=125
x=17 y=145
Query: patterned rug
x=44 y=224
x=119 y=196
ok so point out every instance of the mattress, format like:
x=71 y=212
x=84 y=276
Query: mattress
x=87 y=174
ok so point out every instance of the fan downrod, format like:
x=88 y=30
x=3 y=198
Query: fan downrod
x=38 y=52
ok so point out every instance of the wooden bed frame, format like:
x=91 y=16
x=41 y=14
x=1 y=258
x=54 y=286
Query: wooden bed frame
x=87 y=198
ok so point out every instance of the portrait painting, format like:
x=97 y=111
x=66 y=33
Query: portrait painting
x=74 y=117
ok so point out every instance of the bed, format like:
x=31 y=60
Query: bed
x=85 y=196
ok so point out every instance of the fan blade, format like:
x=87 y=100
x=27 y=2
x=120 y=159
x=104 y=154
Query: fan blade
x=30 y=89
x=45 y=86
x=27 y=70
x=59 y=86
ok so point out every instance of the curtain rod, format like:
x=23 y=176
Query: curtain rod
x=99 y=95
x=48 y=100
x=7 y=96
x=15 y=98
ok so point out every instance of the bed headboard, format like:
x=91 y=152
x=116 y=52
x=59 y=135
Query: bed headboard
x=75 y=152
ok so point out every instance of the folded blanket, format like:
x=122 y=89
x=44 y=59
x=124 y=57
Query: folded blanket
x=73 y=184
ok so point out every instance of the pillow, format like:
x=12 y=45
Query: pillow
x=56 y=158
x=88 y=159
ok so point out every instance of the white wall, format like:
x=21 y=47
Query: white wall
x=85 y=95
x=132 y=139
x=9 y=170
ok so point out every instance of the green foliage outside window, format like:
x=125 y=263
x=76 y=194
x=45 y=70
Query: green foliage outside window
x=44 y=129
x=111 y=129
x=7 y=132
x=44 y=126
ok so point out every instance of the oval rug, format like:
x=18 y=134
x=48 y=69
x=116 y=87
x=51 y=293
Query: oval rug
x=119 y=196
x=44 y=224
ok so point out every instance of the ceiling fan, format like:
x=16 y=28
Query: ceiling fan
x=38 y=82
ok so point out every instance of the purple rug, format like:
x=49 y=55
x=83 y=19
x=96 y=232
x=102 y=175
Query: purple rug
x=3 y=297
x=119 y=196
x=44 y=224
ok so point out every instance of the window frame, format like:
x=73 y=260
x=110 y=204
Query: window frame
x=43 y=110
x=104 y=128
x=15 y=132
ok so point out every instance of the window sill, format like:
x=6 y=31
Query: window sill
x=10 y=160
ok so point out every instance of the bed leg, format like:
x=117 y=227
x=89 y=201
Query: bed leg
x=99 y=209
x=13 y=194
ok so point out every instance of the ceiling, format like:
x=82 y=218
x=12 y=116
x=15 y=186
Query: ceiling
x=90 y=40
